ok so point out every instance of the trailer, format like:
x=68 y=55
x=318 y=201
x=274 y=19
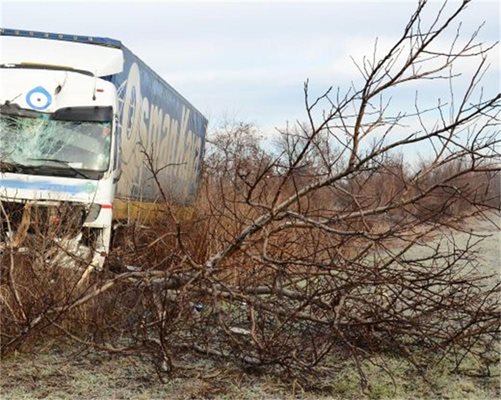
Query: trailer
x=86 y=126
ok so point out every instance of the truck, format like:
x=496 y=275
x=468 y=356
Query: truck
x=87 y=130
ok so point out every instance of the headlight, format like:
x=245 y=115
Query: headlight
x=93 y=213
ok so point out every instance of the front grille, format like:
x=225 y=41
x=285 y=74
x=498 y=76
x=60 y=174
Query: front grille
x=63 y=220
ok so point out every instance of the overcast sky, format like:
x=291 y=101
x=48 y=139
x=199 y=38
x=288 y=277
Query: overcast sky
x=247 y=60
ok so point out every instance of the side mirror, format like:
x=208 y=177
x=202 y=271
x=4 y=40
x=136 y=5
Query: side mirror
x=117 y=176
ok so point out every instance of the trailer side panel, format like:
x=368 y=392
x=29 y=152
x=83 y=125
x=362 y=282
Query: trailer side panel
x=162 y=135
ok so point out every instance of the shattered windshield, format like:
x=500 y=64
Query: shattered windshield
x=41 y=141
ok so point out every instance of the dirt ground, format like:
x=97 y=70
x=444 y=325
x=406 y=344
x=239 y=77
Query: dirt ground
x=66 y=372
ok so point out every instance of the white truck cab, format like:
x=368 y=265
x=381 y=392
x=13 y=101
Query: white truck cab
x=58 y=141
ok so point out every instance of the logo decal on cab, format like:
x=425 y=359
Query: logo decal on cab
x=38 y=98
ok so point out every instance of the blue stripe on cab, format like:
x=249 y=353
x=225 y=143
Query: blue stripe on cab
x=45 y=185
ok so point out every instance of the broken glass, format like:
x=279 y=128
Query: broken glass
x=41 y=141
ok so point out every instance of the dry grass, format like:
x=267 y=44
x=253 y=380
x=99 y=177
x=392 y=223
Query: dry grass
x=65 y=371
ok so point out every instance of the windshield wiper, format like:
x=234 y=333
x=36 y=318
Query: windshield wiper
x=64 y=162
x=12 y=166
x=7 y=166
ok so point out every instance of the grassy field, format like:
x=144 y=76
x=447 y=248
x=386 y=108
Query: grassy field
x=67 y=372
